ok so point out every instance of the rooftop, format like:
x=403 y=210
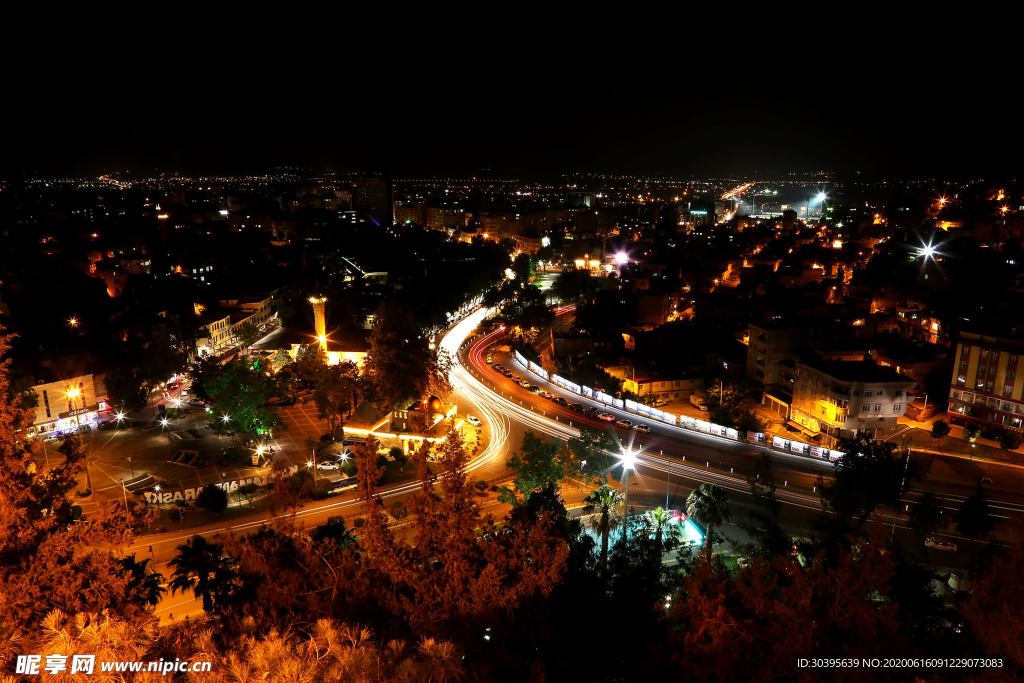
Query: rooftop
x=858 y=371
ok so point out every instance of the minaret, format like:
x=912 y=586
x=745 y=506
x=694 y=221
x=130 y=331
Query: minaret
x=320 y=320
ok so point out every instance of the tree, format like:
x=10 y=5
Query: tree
x=589 y=453
x=400 y=365
x=926 y=515
x=48 y=560
x=213 y=498
x=604 y=500
x=867 y=476
x=973 y=519
x=334 y=530
x=202 y=567
x=972 y=432
x=720 y=415
x=748 y=421
x=336 y=393
x=940 y=428
x=538 y=464
x=311 y=363
x=995 y=606
x=662 y=525
x=240 y=391
x=709 y=505
x=246 y=334
x=761 y=522
x=248 y=491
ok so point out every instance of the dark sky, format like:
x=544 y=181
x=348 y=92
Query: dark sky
x=545 y=118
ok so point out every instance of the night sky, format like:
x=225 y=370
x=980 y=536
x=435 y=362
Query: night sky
x=492 y=124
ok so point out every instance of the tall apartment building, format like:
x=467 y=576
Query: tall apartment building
x=984 y=389
x=845 y=398
x=767 y=345
x=374 y=196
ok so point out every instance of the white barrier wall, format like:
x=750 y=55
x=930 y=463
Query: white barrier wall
x=778 y=442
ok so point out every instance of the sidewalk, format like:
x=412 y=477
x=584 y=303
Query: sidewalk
x=918 y=435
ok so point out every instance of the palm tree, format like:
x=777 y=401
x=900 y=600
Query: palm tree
x=143 y=583
x=605 y=501
x=204 y=568
x=709 y=505
x=659 y=523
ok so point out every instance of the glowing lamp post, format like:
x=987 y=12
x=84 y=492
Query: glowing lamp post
x=628 y=460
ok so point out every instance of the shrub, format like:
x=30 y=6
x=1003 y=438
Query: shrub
x=358 y=522
x=349 y=467
x=1010 y=441
x=382 y=461
x=398 y=455
x=480 y=486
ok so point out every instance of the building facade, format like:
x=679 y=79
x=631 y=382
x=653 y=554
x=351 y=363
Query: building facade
x=984 y=389
x=841 y=399
x=767 y=346
x=64 y=407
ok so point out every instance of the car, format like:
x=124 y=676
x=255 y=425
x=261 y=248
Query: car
x=643 y=429
x=498 y=367
x=490 y=360
x=474 y=420
x=104 y=426
x=523 y=383
x=327 y=438
x=328 y=465
x=559 y=401
x=546 y=394
x=607 y=417
x=534 y=388
x=624 y=423
x=196 y=401
x=517 y=379
x=939 y=545
x=576 y=406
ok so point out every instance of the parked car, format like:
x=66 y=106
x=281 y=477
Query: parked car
x=328 y=465
x=607 y=417
x=534 y=388
x=489 y=360
x=643 y=429
x=523 y=383
x=624 y=423
x=474 y=420
x=560 y=401
x=327 y=438
x=576 y=406
x=105 y=426
x=546 y=394
x=940 y=545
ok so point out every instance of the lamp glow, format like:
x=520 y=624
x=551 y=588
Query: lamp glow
x=622 y=258
x=628 y=459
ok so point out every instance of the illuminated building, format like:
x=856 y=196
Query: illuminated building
x=984 y=388
x=845 y=398
x=64 y=405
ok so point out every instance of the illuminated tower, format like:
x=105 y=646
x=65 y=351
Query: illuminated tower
x=320 y=320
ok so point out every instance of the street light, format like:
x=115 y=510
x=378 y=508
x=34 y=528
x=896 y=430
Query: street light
x=628 y=460
x=72 y=393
